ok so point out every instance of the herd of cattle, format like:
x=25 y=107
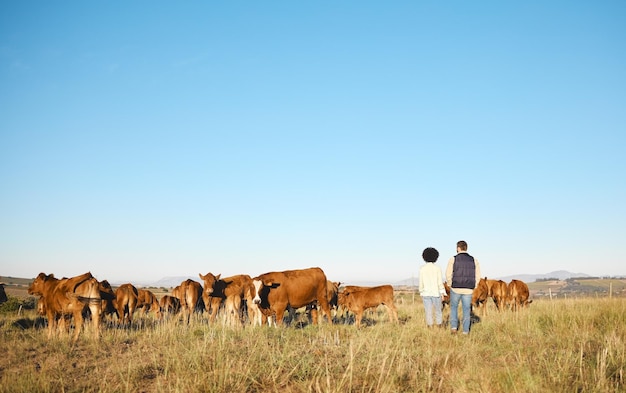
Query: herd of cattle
x=240 y=299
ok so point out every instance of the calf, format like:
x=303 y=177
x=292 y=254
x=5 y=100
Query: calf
x=358 y=299
x=68 y=297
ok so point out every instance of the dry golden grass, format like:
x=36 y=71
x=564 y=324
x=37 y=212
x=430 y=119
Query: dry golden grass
x=570 y=345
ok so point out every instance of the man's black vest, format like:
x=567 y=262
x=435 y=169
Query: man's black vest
x=464 y=271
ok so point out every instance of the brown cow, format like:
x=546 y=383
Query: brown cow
x=480 y=295
x=332 y=290
x=518 y=294
x=445 y=299
x=358 y=299
x=189 y=292
x=231 y=291
x=126 y=299
x=68 y=297
x=275 y=291
x=499 y=293
x=148 y=302
x=169 y=304
x=108 y=300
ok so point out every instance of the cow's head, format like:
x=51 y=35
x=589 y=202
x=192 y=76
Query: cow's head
x=37 y=286
x=106 y=292
x=261 y=289
x=209 y=280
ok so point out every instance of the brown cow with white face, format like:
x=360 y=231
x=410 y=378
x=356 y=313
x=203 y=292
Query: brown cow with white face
x=357 y=299
x=230 y=291
x=68 y=297
x=148 y=302
x=518 y=294
x=274 y=292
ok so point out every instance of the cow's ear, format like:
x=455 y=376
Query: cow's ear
x=201 y=276
x=218 y=276
x=268 y=283
x=275 y=284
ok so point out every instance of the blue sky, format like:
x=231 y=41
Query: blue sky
x=140 y=140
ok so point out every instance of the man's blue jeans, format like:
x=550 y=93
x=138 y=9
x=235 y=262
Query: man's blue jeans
x=466 y=304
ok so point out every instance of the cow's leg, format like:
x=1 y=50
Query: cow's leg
x=393 y=312
x=326 y=309
x=215 y=306
x=78 y=322
x=358 y=317
x=96 y=309
x=279 y=315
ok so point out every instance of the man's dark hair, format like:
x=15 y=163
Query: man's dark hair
x=462 y=245
x=430 y=254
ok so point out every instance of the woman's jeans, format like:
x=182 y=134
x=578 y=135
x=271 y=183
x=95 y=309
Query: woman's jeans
x=466 y=304
x=432 y=303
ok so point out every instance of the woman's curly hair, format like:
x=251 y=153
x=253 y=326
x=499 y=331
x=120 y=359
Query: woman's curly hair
x=430 y=254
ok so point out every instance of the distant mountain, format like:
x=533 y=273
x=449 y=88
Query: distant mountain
x=559 y=274
x=171 y=282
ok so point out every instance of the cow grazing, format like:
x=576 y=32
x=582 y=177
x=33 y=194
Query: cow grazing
x=480 y=295
x=107 y=294
x=169 y=304
x=230 y=291
x=126 y=299
x=274 y=292
x=358 y=299
x=518 y=294
x=68 y=297
x=189 y=292
x=499 y=293
x=148 y=302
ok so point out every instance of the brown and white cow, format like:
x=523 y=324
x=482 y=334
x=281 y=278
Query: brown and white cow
x=68 y=297
x=230 y=291
x=518 y=294
x=357 y=299
x=126 y=299
x=189 y=292
x=169 y=304
x=148 y=302
x=274 y=292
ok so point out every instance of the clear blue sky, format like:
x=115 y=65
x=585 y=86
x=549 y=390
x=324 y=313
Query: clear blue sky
x=146 y=139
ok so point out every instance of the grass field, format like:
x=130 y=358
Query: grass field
x=563 y=345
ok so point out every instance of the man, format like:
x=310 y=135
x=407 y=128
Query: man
x=463 y=272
